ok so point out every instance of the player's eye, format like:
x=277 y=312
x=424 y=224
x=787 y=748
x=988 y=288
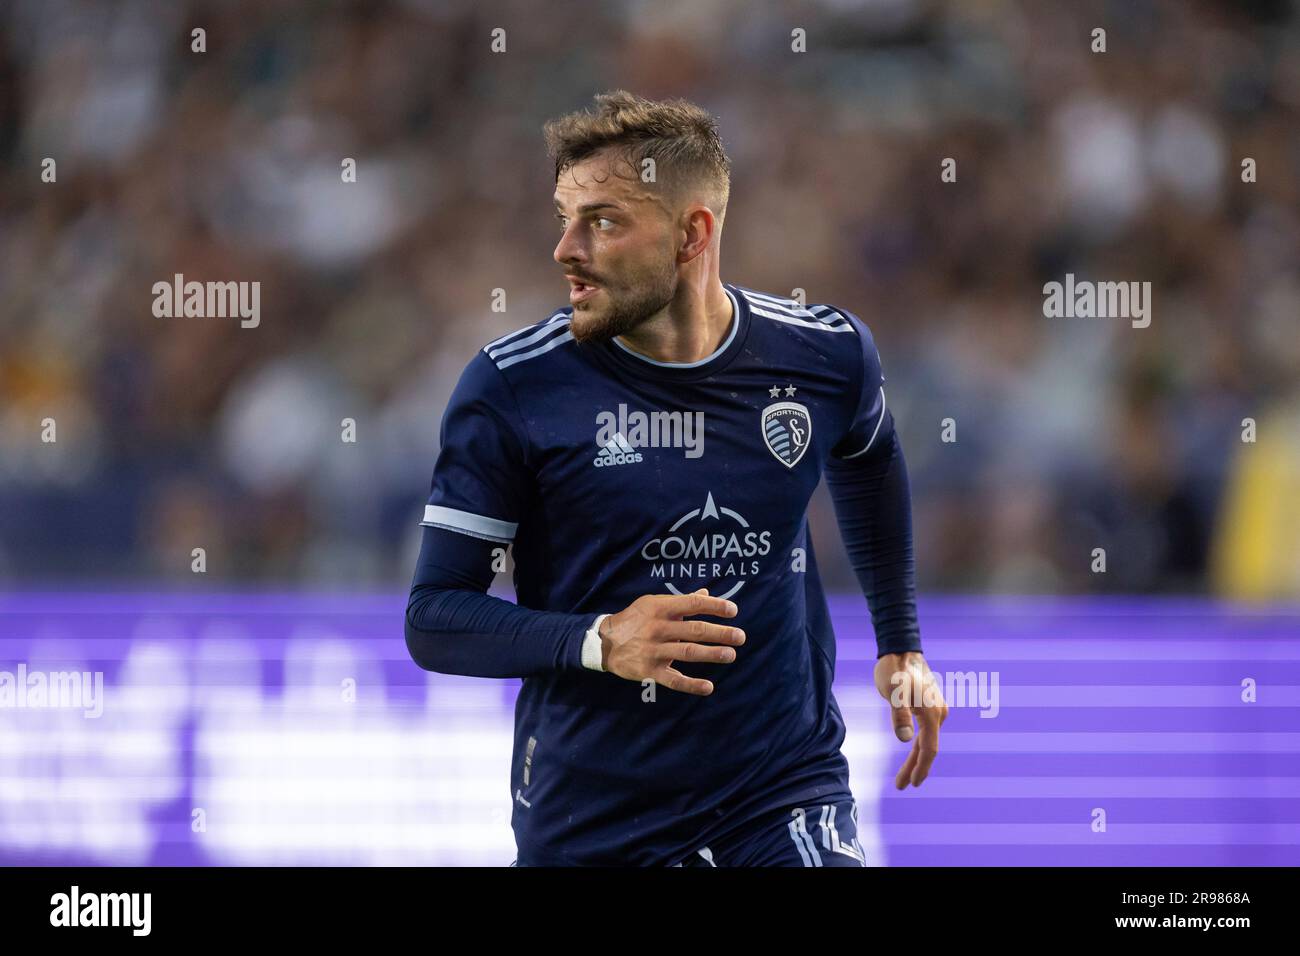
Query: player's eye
x=601 y=222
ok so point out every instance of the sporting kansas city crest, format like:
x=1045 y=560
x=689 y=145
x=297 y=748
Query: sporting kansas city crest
x=787 y=428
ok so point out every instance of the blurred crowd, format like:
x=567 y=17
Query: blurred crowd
x=1072 y=434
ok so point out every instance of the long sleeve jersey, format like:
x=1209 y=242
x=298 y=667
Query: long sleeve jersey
x=609 y=476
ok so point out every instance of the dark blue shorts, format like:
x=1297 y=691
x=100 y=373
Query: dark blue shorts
x=813 y=834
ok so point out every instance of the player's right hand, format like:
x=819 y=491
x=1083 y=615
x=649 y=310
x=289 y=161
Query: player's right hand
x=644 y=639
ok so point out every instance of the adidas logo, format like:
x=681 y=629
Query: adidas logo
x=616 y=452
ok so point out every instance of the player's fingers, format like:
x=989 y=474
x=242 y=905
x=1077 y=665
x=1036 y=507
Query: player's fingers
x=927 y=744
x=938 y=711
x=695 y=653
x=901 y=715
x=921 y=769
x=905 y=772
x=686 y=605
x=897 y=686
x=676 y=680
x=942 y=711
x=927 y=748
x=934 y=709
x=701 y=632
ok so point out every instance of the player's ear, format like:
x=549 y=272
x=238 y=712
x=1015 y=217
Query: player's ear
x=698 y=224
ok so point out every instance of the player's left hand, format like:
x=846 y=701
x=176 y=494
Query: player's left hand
x=905 y=680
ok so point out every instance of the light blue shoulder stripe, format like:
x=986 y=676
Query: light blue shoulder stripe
x=523 y=343
x=527 y=328
x=820 y=317
x=540 y=350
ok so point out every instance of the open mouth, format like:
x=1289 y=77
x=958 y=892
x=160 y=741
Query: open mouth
x=580 y=289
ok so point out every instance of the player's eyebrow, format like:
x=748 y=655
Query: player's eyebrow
x=590 y=206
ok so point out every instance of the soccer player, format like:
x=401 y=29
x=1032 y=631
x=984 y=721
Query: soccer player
x=649 y=452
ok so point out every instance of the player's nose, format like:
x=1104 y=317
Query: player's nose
x=569 y=250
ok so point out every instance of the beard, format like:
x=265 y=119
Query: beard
x=625 y=308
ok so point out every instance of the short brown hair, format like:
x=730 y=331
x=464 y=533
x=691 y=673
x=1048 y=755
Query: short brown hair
x=681 y=138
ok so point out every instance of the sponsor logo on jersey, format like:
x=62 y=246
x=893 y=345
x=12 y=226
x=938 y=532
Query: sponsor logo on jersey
x=709 y=547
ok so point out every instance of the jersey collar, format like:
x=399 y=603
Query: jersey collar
x=680 y=371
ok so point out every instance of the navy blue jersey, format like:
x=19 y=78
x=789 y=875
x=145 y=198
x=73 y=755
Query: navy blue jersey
x=612 y=476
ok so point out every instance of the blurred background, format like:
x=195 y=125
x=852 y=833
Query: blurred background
x=1072 y=433
x=225 y=165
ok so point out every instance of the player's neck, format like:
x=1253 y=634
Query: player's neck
x=689 y=329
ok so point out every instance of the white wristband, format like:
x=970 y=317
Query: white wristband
x=591 y=654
